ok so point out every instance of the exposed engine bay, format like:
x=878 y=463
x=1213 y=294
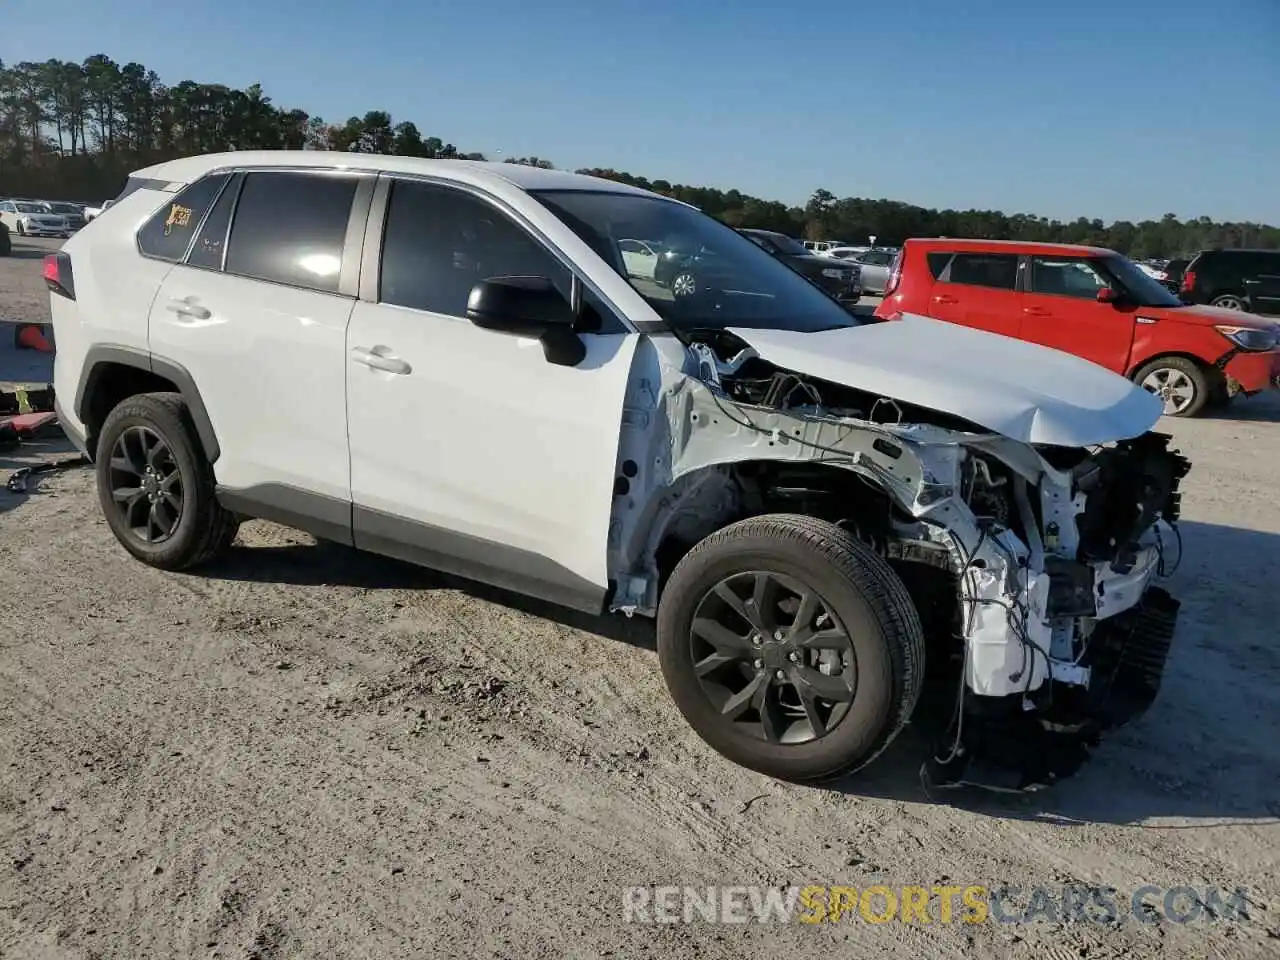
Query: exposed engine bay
x=1031 y=566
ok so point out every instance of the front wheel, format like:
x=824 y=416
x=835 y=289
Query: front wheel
x=1180 y=384
x=22 y=231
x=156 y=487
x=791 y=647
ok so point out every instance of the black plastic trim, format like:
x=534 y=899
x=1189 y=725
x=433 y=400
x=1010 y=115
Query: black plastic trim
x=496 y=564
x=100 y=356
x=78 y=439
x=325 y=517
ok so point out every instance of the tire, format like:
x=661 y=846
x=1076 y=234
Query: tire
x=22 y=231
x=203 y=529
x=684 y=283
x=1228 y=301
x=861 y=594
x=1174 y=375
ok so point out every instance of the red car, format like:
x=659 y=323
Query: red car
x=1094 y=303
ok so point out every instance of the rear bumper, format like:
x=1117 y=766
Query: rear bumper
x=1253 y=372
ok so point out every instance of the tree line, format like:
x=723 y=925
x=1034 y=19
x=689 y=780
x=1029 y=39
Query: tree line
x=74 y=131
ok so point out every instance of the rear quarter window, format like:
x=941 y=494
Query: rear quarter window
x=168 y=233
x=937 y=263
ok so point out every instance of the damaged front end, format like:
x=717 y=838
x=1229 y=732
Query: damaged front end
x=1032 y=566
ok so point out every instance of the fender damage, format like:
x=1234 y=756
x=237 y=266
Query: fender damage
x=1032 y=565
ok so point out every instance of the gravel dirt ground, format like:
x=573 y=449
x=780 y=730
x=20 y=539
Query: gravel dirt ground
x=304 y=752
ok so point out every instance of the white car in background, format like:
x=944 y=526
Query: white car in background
x=29 y=218
x=91 y=212
x=640 y=258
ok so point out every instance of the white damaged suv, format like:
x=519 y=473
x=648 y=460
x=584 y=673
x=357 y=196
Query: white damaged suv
x=447 y=362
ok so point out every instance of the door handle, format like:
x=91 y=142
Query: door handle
x=185 y=307
x=943 y=298
x=379 y=358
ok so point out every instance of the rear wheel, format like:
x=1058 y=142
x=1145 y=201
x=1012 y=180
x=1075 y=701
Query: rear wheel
x=1181 y=385
x=790 y=647
x=1228 y=301
x=156 y=487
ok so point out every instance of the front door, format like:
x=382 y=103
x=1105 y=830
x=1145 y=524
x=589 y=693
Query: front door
x=470 y=452
x=1061 y=310
x=979 y=290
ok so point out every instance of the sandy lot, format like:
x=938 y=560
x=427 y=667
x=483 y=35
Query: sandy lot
x=304 y=752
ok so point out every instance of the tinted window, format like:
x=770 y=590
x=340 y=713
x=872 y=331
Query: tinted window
x=877 y=258
x=213 y=233
x=937 y=263
x=1065 y=278
x=984 y=270
x=167 y=235
x=441 y=242
x=290 y=228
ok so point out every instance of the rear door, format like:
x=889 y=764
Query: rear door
x=1061 y=310
x=256 y=311
x=979 y=290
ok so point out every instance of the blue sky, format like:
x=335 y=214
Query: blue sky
x=1127 y=109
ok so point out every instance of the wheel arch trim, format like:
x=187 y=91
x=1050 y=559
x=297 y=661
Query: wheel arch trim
x=102 y=356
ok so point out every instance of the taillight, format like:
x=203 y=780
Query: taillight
x=57 y=275
x=1188 y=282
x=895 y=273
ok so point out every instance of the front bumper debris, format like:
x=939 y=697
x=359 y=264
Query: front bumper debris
x=1006 y=746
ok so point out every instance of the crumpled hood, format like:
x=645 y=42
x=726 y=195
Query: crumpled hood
x=1020 y=390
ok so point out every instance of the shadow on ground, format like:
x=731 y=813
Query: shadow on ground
x=27 y=253
x=1263 y=408
x=1208 y=749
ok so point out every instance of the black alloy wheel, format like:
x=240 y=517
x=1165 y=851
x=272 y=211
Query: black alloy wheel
x=772 y=657
x=146 y=485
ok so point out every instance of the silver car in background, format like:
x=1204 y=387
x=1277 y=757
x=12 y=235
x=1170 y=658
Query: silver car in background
x=875 y=266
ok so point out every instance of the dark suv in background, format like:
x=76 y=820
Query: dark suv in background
x=1234 y=279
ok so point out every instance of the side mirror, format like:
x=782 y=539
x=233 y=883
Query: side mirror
x=1108 y=295
x=528 y=307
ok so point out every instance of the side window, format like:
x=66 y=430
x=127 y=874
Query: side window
x=937 y=263
x=212 y=240
x=7 y=207
x=167 y=235
x=876 y=258
x=1065 y=278
x=630 y=246
x=290 y=228
x=998 y=271
x=439 y=242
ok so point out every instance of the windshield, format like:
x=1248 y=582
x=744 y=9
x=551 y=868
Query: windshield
x=62 y=208
x=785 y=244
x=708 y=276
x=1144 y=290
x=31 y=208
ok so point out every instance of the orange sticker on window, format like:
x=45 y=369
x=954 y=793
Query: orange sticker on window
x=178 y=217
